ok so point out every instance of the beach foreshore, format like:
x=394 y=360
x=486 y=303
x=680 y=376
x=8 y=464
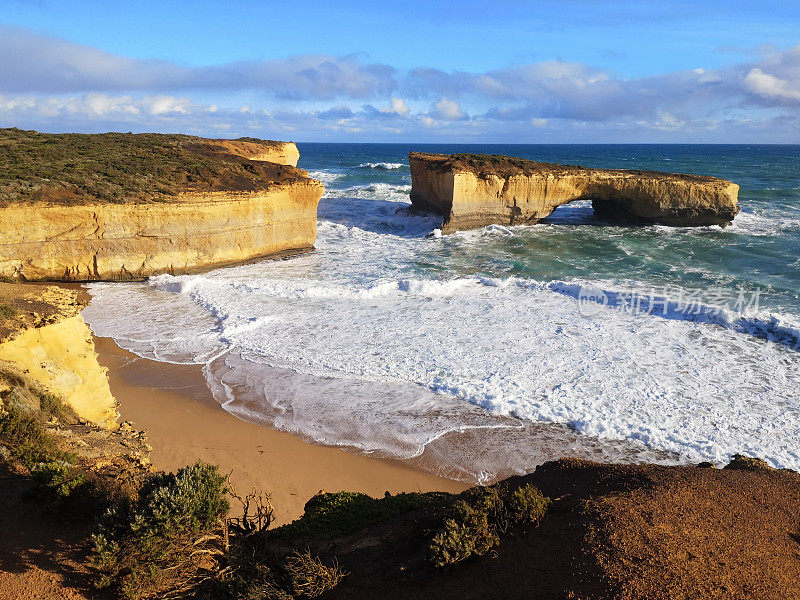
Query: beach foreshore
x=184 y=424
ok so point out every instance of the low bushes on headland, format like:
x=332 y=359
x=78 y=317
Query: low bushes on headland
x=74 y=168
x=166 y=537
x=571 y=529
x=480 y=517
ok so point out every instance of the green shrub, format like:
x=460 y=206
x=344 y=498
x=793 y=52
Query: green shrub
x=309 y=577
x=51 y=405
x=480 y=517
x=331 y=515
x=26 y=439
x=6 y=311
x=54 y=483
x=528 y=505
x=69 y=489
x=469 y=532
x=458 y=541
x=193 y=499
x=162 y=539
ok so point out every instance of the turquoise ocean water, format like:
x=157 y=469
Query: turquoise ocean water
x=760 y=251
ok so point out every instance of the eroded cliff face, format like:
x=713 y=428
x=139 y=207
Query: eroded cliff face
x=473 y=191
x=85 y=207
x=282 y=153
x=97 y=241
x=44 y=339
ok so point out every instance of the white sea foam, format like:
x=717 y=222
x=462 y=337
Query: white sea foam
x=702 y=390
x=752 y=222
x=372 y=342
x=373 y=191
x=381 y=165
x=325 y=176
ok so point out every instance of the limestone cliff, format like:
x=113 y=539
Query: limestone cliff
x=475 y=190
x=78 y=207
x=282 y=153
x=44 y=339
x=132 y=241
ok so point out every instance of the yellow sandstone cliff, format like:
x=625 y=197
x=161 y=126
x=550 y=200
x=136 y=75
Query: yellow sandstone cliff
x=282 y=153
x=475 y=190
x=43 y=338
x=211 y=203
x=132 y=241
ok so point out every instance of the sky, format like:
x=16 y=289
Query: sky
x=491 y=71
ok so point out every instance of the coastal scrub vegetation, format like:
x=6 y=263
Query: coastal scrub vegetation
x=505 y=166
x=331 y=515
x=173 y=537
x=309 y=576
x=7 y=311
x=497 y=164
x=165 y=539
x=24 y=411
x=25 y=440
x=74 y=168
x=480 y=516
x=56 y=480
x=438 y=528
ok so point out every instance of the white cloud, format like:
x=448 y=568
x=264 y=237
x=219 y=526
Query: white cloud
x=30 y=62
x=161 y=105
x=99 y=105
x=399 y=106
x=771 y=86
x=104 y=112
x=56 y=84
x=448 y=110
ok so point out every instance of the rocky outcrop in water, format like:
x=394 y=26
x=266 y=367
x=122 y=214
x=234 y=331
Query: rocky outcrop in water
x=471 y=190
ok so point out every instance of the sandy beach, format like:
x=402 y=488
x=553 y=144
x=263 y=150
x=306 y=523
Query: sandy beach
x=184 y=424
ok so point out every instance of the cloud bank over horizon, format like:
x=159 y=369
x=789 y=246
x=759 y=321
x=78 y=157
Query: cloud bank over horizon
x=52 y=84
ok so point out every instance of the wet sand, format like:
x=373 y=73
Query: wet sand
x=184 y=424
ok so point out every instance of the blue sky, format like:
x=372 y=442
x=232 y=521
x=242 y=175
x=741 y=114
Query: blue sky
x=491 y=71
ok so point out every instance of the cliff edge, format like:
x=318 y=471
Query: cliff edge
x=474 y=190
x=118 y=206
x=45 y=341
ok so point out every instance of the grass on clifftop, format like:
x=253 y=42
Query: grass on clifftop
x=506 y=166
x=74 y=168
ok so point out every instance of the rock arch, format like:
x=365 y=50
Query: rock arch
x=474 y=190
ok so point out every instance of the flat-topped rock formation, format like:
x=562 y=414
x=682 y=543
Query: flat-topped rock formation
x=122 y=206
x=474 y=190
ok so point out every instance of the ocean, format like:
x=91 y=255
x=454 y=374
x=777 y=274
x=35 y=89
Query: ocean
x=491 y=350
